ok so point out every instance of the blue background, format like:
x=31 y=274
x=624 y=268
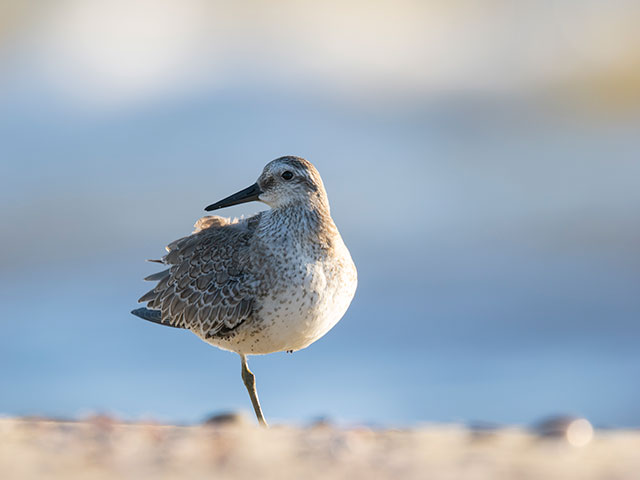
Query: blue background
x=489 y=197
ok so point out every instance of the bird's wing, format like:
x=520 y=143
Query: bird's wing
x=209 y=285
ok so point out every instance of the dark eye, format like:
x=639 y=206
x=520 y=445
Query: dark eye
x=287 y=175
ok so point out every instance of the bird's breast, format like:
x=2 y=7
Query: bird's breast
x=310 y=298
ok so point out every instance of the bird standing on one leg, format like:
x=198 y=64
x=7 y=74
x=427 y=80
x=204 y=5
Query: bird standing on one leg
x=276 y=281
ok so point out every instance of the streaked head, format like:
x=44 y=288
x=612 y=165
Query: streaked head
x=284 y=181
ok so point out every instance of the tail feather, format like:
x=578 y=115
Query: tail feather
x=154 y=316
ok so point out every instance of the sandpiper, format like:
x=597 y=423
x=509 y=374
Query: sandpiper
x=276 y=281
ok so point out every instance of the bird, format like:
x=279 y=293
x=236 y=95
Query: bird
x=275 y=281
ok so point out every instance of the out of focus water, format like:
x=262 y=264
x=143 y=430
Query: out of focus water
x=496 y=233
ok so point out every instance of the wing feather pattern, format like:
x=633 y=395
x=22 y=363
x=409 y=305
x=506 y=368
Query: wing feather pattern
x=209 y=285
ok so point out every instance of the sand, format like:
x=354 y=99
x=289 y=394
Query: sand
x=101 y=448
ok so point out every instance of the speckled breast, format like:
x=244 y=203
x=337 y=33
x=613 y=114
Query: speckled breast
x=304 y=305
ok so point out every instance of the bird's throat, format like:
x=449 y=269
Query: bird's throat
x=299 y=224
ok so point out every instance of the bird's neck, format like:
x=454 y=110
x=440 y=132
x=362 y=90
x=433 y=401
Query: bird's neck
x=299 y=224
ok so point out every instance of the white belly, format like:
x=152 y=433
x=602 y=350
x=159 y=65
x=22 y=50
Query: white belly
x=308 y=305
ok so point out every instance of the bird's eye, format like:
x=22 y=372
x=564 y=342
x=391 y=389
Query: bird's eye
x=287 y=175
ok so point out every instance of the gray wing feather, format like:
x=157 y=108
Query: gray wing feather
x=157 y=276
x=209 y=286
x=154 y=316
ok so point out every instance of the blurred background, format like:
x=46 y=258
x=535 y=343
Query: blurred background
x=482 y=160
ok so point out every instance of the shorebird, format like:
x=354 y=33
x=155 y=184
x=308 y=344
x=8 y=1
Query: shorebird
x=273 y=282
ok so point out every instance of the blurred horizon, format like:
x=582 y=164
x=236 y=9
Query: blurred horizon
x=482 y=164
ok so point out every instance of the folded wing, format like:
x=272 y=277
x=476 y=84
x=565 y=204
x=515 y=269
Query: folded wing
x=209 y=286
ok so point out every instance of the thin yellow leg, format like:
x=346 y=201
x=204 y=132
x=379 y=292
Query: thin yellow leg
x=249 y=380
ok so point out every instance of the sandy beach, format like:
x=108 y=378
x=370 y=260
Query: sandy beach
x=101 y=448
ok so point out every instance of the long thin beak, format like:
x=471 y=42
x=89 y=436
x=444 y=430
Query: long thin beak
x=249 y=194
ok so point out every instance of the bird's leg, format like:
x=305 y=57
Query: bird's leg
x=250 y=382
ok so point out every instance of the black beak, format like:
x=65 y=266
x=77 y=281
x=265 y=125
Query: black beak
x=249 y=194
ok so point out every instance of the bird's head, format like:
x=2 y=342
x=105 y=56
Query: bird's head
x=284 y=181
